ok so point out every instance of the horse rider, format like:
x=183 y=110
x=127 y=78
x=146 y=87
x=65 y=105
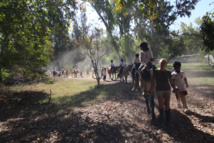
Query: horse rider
x=112 y=65
x=146 y=58
x=73 y=70
x=122 y=65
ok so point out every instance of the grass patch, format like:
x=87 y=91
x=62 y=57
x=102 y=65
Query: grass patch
x=70 y=93
x=61 y=87
x=201 y=80
x=200 y=67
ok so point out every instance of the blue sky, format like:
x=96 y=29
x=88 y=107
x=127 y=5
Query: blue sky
x=200 y=9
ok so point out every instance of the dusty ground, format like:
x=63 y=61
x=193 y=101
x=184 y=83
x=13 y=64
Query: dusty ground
x=121 y=117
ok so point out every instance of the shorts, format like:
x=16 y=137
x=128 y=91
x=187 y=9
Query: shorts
x=163 y=92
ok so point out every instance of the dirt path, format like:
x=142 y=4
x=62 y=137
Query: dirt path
x=117 y=118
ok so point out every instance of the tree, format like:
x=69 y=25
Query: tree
x=25 y=31
x=156 y=30
x=192 y=38
x=207 y=32
x=91 y=45
x=126 y=47
x=105 y=11
x=174 y=47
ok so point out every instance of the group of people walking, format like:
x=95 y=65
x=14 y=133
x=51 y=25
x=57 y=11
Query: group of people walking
x=164 y=81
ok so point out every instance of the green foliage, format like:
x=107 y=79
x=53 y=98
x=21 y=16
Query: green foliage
x=192 y=38
x=173 y=48
x=5 y=73
x=147 y=7
x=127 y=49
x=106 y=11
x=157 y=31
x=207 y=31
x=25 y=31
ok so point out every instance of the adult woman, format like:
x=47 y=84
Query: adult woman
x=163 y=89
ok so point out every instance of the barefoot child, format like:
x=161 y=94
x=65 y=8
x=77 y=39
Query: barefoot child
x=181 y=84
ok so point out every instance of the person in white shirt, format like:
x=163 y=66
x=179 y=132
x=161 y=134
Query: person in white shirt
x=136 y=61
x=112 y=65
x=146 y=58
x=181 y=84
x=134 y=72
x=146 y=55
x=122 y=65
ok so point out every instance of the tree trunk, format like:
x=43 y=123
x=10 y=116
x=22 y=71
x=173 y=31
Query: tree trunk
x=115 y=46
x=96 y=73
x=109 y=32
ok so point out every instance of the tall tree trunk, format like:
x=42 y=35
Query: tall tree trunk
x=96 y=72
x=109 y=32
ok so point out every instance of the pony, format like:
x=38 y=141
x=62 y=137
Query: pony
x=112 y=72
x=74 y=74
x=125 y=73
x=147 y=85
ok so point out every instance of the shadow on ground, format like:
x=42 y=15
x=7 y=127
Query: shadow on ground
x=28 y=121
x=183 y=130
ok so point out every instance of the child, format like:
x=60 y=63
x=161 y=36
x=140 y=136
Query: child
x=122 y=65
x=137 y=61
x=112 y=65
x=146 y=55
x=164 y=82
x=73 y=70
x=146 y=58
x=181 y=84
x=104 y=74
x=134 y=72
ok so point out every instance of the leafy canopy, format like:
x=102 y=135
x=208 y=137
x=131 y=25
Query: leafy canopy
x=207 y=32
x=25 y=30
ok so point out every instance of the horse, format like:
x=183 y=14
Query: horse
x=54 y=73
x=64 y=73
x=147 y=85
x=74 y=74
x=125 y=73
x=112 y=72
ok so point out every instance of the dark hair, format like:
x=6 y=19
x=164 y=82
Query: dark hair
x=177 y=64
x=144 y=45
x=111 y=60
x=137 y=55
